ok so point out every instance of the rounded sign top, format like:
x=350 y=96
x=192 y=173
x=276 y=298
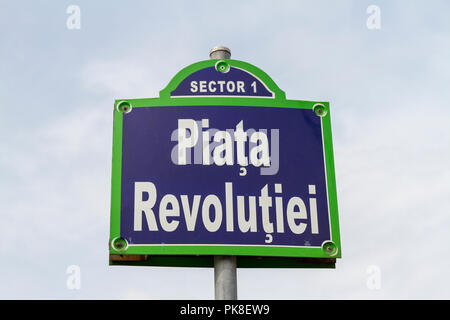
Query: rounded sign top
x=224 y=78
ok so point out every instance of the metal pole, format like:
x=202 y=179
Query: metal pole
x=220 y=53
x=225 y=280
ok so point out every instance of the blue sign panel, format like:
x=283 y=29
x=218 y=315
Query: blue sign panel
x=223 y=175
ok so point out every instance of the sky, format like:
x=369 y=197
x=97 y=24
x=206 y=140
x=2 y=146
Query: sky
x=388 y=89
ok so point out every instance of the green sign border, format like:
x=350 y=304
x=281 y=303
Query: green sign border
x=201 y=255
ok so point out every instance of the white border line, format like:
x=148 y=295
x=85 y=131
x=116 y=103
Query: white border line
x=273 y=93
x=326 y=180
x=226 y=96
x=219 y=245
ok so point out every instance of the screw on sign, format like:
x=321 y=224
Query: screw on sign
x=124 y=106
x=320 y=109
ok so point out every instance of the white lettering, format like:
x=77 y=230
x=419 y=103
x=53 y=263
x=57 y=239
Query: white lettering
x=203 y=86
x=212 y=200
x=146 y=206
x=194 y=87
x=184 y=141
x=292 y=215
x=190 y=215
x=230 y=86
x=223 y=154
x=240 y=86
x=262 y=148
x=250 y=224
x=165 y=211
x=212 y=88
x=213 y=212
x=265 y=202
x=221 y=84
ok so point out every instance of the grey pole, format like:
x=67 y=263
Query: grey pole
x=225 y=280
x=220 y=52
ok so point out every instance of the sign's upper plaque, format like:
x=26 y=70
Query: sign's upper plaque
x=222 y=164
x=215 y=82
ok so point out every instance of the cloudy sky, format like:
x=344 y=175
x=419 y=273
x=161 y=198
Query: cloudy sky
x=389 y=95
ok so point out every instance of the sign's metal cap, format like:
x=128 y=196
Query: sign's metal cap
x=220 y=52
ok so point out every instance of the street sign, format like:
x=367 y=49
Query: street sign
x=223 y=164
